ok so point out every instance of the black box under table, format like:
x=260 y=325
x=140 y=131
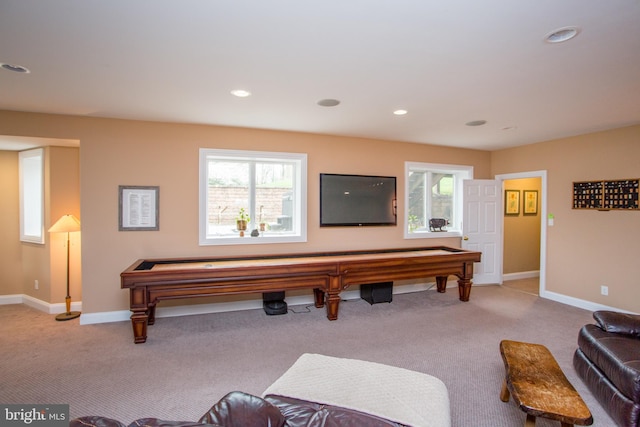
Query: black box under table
x=374 y=293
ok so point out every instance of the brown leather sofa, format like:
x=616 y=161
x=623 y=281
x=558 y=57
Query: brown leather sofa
x=608 y=361
x=238 y=409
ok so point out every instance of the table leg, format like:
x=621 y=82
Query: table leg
x=139 y=324
x=333 y=302
x=464 y=288
x=441 y=282
x=151 y=312
x=504 y=393
x=531 y=421
x=318 y=295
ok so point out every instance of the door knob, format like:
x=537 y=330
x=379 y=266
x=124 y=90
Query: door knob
x=465 y=238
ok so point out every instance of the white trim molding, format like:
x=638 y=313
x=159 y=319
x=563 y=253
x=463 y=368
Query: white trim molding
x=10 y=299
x=253 y=304
x=38 y=304
x=579 y=303
x=521 y=275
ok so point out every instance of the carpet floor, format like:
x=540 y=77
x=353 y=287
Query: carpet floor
x=529 y=285
x=189 y=362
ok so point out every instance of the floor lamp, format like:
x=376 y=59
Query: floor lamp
x=67 y=224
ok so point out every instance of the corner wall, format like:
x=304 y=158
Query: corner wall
x=10 y=249
x=46 y=262
x=64 y=198
x=586 y=249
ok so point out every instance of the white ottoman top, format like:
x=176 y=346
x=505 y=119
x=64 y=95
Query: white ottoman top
x=396 y=394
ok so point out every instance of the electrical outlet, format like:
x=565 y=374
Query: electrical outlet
x=604 y=290
x=36 y=285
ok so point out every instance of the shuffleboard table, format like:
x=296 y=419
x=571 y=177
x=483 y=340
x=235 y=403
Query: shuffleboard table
x=153 y=280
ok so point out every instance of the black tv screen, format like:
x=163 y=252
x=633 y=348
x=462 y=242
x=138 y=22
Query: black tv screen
x=357 y=200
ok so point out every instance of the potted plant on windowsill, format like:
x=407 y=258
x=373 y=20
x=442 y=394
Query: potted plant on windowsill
x=261 y=222
x=243 y=220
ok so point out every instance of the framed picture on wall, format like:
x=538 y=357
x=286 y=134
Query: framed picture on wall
x=138 y=206
x=512 y=202
x=530 y=202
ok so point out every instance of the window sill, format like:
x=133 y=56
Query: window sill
x=432 y=234
x=248 y=240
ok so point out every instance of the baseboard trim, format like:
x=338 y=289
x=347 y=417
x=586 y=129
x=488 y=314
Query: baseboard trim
x=10 y=299
x=579 y=303
x=104 y=317
x=252 y=304
x=38 y=304
x=521 y=275
x=194 y=309
x=187 y=310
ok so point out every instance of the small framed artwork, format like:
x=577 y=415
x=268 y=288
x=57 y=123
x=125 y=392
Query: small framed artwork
x=530 y=202
x=512 y=202
x=138 y=208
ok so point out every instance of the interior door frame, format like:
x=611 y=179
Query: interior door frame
x=542 y=174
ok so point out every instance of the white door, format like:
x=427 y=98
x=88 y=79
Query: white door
x=482 y=227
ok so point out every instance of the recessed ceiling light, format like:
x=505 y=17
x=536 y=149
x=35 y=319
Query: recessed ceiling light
x=240 y=93
x=562 y=35
x=328 y=102
x=476 y=123
x=400 y=112
x=15 y=68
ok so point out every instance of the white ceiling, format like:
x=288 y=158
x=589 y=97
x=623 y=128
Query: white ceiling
x=447 y=62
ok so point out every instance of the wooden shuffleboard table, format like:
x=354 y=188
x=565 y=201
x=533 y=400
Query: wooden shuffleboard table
x=153 y=280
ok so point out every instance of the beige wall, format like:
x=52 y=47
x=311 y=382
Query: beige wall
x=10 y=249
x=119 y=152
x=64 y=198
x=24 y=263
x=522 y=232
x=586 y=249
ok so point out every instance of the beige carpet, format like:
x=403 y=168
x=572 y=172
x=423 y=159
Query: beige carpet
x=529 y=285
x=190 y=362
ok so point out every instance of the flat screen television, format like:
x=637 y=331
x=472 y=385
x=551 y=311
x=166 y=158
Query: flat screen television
x=357 y=200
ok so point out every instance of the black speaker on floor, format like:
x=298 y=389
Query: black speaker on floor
x=273 y=303
x=374 y=293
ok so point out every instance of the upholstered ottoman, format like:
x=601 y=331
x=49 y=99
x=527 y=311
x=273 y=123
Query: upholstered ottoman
x=400 y=395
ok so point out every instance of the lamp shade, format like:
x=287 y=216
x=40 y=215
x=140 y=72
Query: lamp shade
x=66 y=224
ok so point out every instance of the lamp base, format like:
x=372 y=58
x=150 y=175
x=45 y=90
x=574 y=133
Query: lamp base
x=68 y=316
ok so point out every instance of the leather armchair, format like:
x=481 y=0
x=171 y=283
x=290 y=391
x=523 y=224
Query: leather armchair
x=238 y=409
x=608 y=361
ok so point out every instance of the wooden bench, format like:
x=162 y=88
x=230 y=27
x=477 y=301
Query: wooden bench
x=539 y=387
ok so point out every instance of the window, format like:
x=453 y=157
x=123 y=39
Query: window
x=434 y=191
x=31 y=195
x=266 y=190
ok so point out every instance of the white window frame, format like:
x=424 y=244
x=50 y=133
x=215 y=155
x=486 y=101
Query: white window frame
x=299 y=233
x=461 y=172
x=31 y=182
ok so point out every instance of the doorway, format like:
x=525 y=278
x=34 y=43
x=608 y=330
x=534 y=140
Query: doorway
x=524 y=238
